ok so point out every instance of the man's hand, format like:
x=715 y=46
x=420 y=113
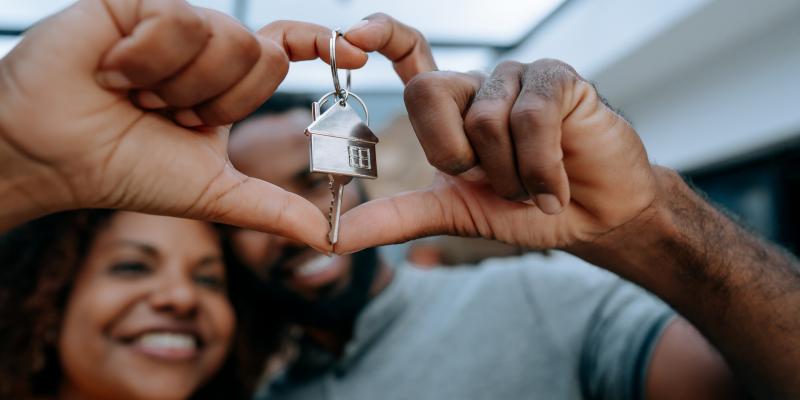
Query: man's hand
x=536 y=132
x=119 y=104
x=539 y=133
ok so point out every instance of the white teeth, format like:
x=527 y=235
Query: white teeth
x=168 y=341
x=315 y=265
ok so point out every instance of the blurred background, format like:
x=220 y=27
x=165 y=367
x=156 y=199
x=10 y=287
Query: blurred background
x=712 y=86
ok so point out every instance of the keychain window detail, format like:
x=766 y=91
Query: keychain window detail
x=359 y=157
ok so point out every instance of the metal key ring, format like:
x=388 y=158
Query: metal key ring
x=324 y=99
x=337 y=87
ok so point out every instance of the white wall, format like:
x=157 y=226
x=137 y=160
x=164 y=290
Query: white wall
x=730 y=102
x=702 y=80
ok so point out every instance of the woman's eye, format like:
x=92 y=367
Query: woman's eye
x=211 y=282
x=130 y=268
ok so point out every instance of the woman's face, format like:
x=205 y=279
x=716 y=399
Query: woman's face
x=148 y=316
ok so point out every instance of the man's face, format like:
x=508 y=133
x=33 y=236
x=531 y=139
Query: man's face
x=273 y=148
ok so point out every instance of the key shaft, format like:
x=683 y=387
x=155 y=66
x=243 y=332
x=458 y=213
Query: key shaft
x=336 y=184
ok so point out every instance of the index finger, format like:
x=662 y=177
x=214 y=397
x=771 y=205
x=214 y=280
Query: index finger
x=306 y=41
x=436 y=102
x=405 y=46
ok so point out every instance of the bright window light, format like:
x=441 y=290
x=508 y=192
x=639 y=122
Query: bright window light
x=7 y=43
x=19 y=14
x=474 y=22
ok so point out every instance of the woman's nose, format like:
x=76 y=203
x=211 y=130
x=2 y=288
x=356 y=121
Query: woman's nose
x=176 y=294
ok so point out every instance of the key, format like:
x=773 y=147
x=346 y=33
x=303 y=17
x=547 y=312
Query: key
x=336 y=184
x=342 y=146
x=340 y=143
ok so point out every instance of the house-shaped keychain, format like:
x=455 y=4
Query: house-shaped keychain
x=341 y=143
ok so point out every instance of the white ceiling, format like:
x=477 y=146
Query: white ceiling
x=470 y=22
x=474 y=27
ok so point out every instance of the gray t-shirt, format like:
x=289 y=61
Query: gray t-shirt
x=508 y=329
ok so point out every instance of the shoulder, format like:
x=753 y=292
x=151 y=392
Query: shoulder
x=552 y=270
x=554 y=278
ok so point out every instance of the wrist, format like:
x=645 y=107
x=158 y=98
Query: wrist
x=629 y=249
x=27 y=187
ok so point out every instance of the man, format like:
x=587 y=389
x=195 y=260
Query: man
x=512 y=329
x=539 y=133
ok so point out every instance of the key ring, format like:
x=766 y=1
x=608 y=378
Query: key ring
x=342 y=94
x=324 y=99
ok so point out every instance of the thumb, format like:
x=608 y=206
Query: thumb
x=395 y=219
x=261 y=206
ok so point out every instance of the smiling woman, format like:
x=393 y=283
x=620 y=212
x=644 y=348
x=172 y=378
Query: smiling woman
x=100 y=304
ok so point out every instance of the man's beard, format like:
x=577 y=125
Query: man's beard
x=330 y=311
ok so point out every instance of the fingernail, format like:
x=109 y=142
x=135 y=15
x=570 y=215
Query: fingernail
x=148 y=99
x=358 y=25
x=113 y=79
x=188 y=118
x=548 y=203
x=474 y=174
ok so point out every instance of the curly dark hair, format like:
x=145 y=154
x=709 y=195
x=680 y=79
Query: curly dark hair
x=40 y=260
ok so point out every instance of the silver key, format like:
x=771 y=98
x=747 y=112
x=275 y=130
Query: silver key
x=336 y=184
x=342 y=146
x=340 y=143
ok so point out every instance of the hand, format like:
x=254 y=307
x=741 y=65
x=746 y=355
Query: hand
x=119 y=104
x=536 y=132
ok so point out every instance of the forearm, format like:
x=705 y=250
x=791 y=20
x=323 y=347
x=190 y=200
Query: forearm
x=741 y=292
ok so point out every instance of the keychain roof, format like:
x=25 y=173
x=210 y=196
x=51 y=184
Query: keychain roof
x=341 y=120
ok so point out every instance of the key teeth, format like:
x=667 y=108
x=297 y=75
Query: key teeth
x=333 y=202
x=332 y=232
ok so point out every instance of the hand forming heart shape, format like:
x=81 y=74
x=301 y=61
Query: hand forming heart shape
x=149 y=131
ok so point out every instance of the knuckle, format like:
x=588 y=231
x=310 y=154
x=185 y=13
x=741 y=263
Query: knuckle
x=380 y=17
x=555 y=69
x=551 y=64
x=422 y=86
x=509 y=65
x=493 y=87
x=547 y=77
x=532 y=111
x=171 y=7
x=247 y=46
x=484 y=121
x=272 y=26
x=184 y=16
x=192 y=22
x=419 y=36
x=275 y=56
